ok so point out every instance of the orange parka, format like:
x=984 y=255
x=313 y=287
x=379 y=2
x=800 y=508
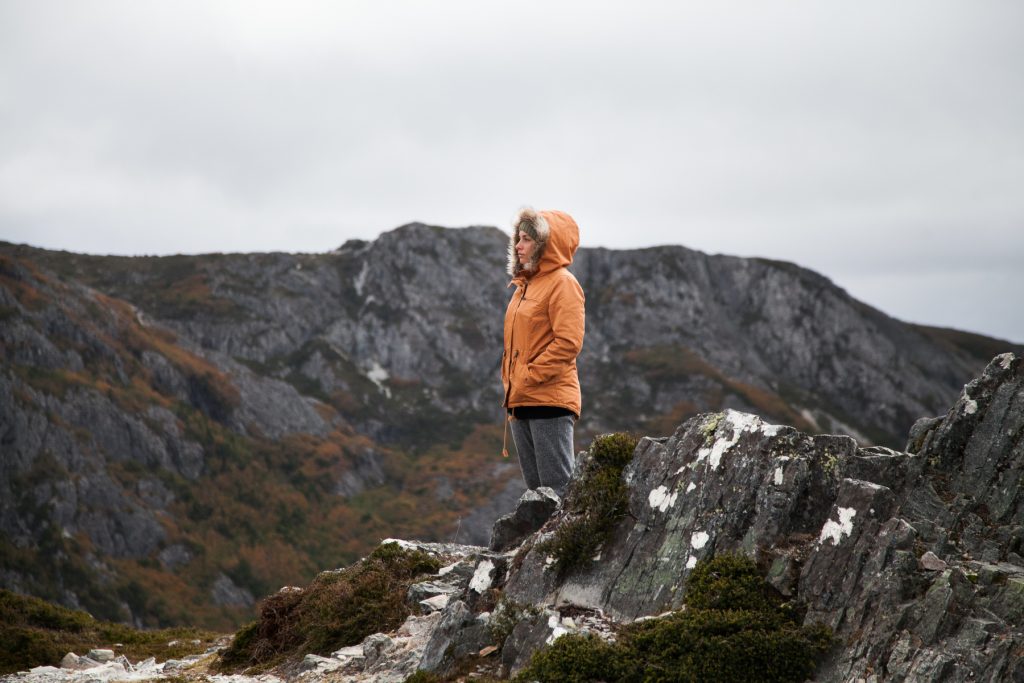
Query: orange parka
x=544 y=323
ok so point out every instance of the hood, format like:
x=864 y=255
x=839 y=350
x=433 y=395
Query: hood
x=557 y=237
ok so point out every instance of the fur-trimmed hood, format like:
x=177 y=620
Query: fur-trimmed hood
x=557 y=237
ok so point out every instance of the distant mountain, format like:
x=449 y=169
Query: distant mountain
x=181 y=435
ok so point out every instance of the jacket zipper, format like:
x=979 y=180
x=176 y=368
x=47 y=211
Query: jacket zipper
x=511 y=341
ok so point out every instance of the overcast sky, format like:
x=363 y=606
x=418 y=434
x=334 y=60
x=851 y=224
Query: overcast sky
x=878 y=142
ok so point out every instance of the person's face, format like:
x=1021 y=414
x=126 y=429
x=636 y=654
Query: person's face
x=525 y=247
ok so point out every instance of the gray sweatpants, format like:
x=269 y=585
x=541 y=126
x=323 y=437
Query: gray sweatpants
x=545 y=451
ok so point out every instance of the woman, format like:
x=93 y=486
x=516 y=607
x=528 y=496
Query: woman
x=544 y=326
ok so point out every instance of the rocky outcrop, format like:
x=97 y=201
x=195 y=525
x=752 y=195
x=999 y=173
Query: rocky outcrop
x=534 y=508
x=858 y=536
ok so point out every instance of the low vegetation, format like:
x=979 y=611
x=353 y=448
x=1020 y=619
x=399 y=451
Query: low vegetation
x=338 y=609
x=733 y=628
x=34 y=633
x=597 y=500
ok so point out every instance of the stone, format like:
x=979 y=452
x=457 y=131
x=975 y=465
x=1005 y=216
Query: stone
x=375 y=646
x=437 y=653
x=533 y=509
x=932 y=562
x=100 y=655
x=313 y=662
x=528 y=636
x=435 y=604
x=423 y=590
x=350 y=651
x=74 y=662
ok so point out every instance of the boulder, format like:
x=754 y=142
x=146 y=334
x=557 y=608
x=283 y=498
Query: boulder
x=533 y=509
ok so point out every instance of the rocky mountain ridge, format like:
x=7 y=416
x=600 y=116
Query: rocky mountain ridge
x=183 y=434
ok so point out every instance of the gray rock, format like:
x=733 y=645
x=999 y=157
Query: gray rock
x=528 y=636
x=434 y=604
x=534 y=508
x=932 y=562
x=313 y=662
x=174 y=556
x=458 y=635
x=376 y=646
x=226 y=593
x=101 y=655
x=428 y=589
x=76 y=663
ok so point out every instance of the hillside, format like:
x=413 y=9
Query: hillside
x=182 y=435
x=733 y=550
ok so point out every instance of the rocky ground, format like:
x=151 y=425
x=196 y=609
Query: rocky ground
x=914 y=558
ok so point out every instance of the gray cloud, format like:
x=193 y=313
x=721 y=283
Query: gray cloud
x=879 y=143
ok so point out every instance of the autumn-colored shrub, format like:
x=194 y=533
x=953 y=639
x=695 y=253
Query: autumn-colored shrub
x=339 y=608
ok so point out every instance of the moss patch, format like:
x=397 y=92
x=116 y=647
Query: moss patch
x=34 y=632
x=596 y=501
x=336 y=610
x=734 y=628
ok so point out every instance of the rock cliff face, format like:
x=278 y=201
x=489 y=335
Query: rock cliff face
x=181 y=434
x=912 y=557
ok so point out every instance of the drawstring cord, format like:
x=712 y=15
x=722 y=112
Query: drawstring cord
x=504 y=439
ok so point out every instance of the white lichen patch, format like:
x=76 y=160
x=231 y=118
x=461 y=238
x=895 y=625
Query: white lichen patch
x=660 y=498
x=558 y=627
x=836 y=530
x=1005 y=360
x=691 y=487
x=970 y=406
x=691 y=563
x=778 y=476
x=739 y=423
x=378 y=375
x=717 y=450
x=699 y=540
x=482 y=577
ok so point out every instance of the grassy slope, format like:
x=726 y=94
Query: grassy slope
x=36 y=633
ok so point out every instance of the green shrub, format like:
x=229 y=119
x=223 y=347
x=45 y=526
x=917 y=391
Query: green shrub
x=724 y=646
x=34 y=633
x=336 y=610
x=728 y=582
x=579 y=658
x=596 y=501
x=733 y=629
x=421 y=676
